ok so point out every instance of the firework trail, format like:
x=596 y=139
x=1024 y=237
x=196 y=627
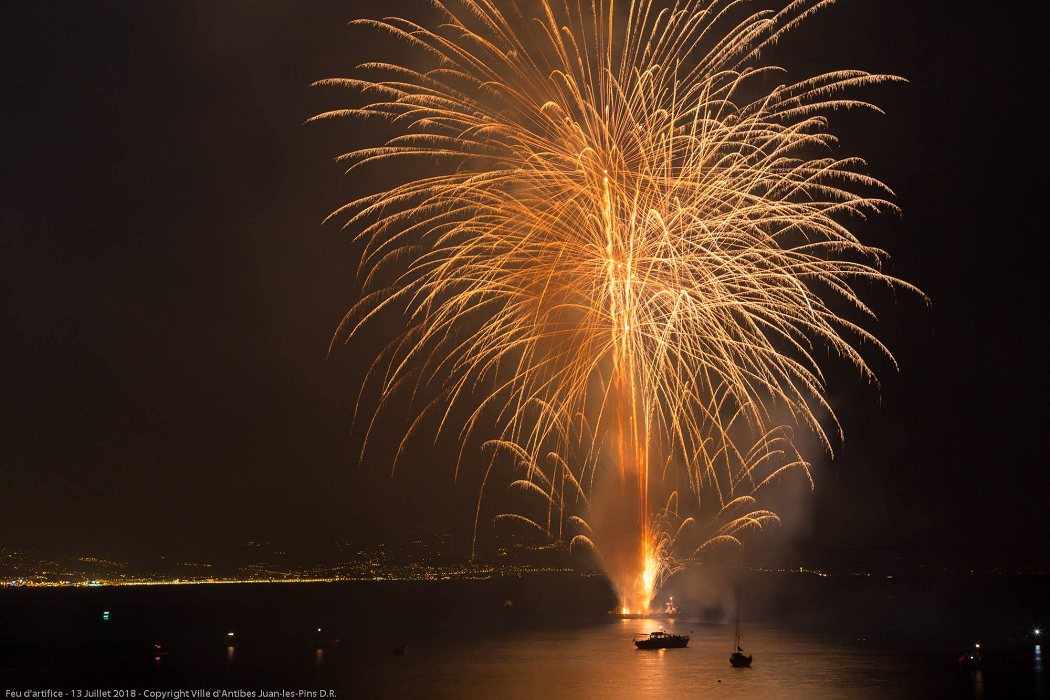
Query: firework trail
x=619 y=239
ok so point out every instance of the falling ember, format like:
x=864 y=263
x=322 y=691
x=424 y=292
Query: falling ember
x=619 y=250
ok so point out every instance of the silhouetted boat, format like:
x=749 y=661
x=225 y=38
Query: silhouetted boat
x=325 y=641
x=971 y=659
x=662 y=640
x=737 y=658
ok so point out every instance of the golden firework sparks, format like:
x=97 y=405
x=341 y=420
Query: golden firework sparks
x=620 y=231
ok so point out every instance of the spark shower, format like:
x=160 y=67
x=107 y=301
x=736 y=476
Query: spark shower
x=617 y=244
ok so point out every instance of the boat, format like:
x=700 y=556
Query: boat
x=669 y=611
x=737 y=658
x=646 y=616
x=971 y=658
x=323 y=640
x=662 y=640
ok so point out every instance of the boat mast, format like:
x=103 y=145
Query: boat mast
x=736 y=647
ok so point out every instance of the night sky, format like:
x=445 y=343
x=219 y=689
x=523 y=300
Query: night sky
x=168 y=293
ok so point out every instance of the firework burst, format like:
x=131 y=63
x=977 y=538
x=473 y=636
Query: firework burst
x=620 y=239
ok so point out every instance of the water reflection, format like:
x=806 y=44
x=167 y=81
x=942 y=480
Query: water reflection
x=318 y=657
x=978 y=683
x=1038 y=663
x=229 y=654
x=600 y=661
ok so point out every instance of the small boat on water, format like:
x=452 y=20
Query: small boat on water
x=662 y=640
x=971 y=658
x=323 y=640
x=737 y=658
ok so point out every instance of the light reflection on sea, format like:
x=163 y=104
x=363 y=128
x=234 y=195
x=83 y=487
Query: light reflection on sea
x=600 y=661
x=461 y=641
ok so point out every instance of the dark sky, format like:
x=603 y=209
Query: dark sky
x=167 y=292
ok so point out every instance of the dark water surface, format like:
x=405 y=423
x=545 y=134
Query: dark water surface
x=462 y=642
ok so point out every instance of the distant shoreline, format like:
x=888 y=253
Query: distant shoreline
x=481 y=576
